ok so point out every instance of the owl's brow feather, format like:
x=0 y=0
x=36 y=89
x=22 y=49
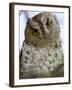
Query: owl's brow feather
x=34 y=24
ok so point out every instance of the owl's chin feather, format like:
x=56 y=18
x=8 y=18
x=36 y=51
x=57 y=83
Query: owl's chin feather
x=44 y=44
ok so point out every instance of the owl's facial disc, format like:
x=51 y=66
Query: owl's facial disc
x=42 y=30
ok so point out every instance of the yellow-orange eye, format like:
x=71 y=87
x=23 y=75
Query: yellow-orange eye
x=35 y=31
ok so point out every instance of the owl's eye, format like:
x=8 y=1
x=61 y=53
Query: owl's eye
x=48 y=22
x=35 y=31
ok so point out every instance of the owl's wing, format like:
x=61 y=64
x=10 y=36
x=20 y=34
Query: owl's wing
x=59 y=71
x=20 y=55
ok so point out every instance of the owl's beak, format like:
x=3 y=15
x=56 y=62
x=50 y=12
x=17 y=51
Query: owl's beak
x=47 y=33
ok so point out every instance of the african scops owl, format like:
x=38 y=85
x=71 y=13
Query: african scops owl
x=42 y=54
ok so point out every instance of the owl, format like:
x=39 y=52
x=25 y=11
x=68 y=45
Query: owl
x=42 y=54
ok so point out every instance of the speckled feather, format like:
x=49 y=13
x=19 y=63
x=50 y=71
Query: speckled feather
x=35 y=62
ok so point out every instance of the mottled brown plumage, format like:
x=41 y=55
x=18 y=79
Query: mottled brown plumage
x=42 y=50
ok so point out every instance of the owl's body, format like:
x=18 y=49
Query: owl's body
x=42 y=54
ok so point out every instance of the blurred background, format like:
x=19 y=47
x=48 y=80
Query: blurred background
x=23 y=17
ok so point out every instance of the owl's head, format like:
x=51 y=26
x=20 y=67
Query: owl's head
x=42 y=30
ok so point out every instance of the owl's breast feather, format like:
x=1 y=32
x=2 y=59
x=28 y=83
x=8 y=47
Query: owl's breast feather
x=41 y=62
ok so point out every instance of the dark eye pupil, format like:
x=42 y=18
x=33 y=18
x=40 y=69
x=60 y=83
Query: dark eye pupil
x=47 y=23
x=35 y=30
